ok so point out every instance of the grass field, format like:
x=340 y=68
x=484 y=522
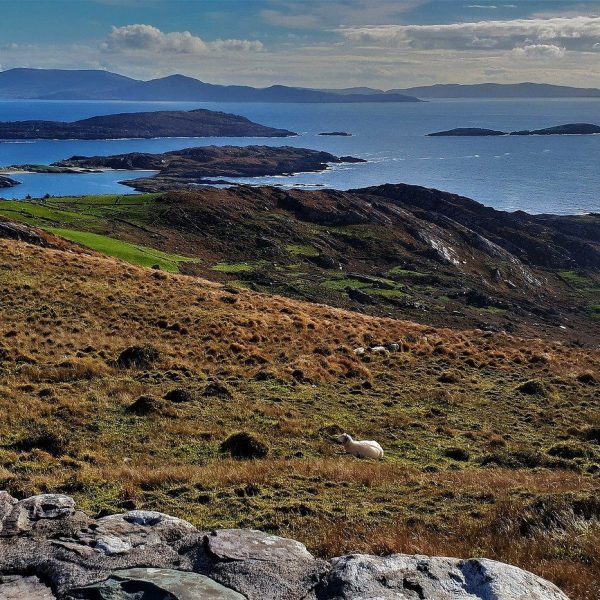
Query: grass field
x=84 y=220
x=491 y=441
x=134 y=254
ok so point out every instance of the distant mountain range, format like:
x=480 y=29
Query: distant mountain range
x=57 y=84
x=483 y=90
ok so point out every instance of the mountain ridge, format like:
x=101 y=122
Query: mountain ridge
x=58 y=84
x=525 y=89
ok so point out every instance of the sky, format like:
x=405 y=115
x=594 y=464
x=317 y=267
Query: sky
x=311 y=43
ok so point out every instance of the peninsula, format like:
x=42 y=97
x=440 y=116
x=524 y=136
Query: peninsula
x=192 y=166
x=193 y=123
x=568 y=129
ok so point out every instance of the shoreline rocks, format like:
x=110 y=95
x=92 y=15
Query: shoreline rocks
x=7 y=182
x=51 y=551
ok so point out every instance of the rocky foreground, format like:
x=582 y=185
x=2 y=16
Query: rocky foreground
x=50 y=550
x=193 y=123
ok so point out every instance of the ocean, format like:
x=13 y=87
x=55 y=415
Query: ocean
x=537 y=174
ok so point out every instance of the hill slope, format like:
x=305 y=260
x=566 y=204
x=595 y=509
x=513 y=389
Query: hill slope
x=483 y=432
x=394 y=250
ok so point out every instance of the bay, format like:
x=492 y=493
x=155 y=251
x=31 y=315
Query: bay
x=537 y=174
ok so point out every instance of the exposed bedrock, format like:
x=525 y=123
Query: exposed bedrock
x=49 y=550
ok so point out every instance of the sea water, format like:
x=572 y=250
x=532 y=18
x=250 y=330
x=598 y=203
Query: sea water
x=537 y=174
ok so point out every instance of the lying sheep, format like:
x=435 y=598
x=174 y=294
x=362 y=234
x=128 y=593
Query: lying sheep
x=362 y=449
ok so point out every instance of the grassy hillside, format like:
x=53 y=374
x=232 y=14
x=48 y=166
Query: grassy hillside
x=399 y=251
x=491 y=440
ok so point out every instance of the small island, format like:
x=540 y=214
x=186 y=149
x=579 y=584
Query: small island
x=196 y=166
x=7 y=182
x=467 y=132
x=336 y=133
x=568 y=129
x=193 y=123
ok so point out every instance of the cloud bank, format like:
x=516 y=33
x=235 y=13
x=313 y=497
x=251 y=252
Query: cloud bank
x=580 y=34
x=149 y=39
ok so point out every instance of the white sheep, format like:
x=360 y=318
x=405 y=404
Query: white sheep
x=362 y=449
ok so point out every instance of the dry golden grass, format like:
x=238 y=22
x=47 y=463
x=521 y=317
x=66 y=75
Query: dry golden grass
x=287 y=371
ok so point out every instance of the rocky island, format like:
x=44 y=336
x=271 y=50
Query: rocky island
x=467 y=132
x=192 y=166
x=193 y=123
x=336 y=133
x=6 y=182
x=568 y=129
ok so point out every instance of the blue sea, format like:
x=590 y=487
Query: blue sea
x=537 y=174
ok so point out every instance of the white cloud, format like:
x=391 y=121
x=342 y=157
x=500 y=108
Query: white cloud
x=489 y=6
x=577 y=33
x=539 y=51
x=148 y=39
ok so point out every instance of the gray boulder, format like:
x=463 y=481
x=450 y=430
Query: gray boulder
x=49 y=550
x=404 y=577
x=22 y=516
x=15 y=587
x=154 y=584
x=261 y=566
x=120 y=534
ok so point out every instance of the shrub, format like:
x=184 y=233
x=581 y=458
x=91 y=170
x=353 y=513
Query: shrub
x=567 y=451
x=523 y=459
x=245 y=445
x=533 y=387
x=455 y=453
x=179 y=395
x=142 y=357
x=591 y=434
x=587 y=378
x=42 y=439
x=145 y=405
x=217 y=388
x=449 y=377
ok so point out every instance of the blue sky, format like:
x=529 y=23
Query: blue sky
x=326 y=43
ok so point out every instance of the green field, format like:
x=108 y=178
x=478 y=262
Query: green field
x=85 y=219
x=132 y=253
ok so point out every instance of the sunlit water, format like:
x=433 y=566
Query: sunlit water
x=557 y=174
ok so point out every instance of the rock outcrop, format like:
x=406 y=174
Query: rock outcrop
x=49 y=550
x=17 y=231
x=7 y=182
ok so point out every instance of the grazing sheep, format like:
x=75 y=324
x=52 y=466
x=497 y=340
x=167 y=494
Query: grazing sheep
x=362 y=449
